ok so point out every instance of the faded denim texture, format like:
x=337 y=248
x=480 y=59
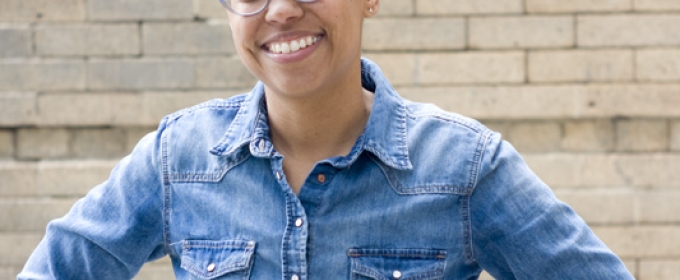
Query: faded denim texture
x=424 y=194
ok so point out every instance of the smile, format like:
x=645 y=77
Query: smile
x=292 y=46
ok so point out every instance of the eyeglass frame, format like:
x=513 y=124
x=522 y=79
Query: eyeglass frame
x=266 y=4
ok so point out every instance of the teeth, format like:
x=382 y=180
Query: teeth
x=293 y=46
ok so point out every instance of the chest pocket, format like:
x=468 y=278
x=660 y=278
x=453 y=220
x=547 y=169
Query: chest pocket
x=403 y=264
x=218 y=259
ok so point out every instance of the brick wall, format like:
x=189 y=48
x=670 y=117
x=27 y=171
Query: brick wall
x=588 y=91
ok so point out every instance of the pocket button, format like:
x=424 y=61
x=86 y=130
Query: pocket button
x=396 y=274
x=211 y=267
x=295 y=277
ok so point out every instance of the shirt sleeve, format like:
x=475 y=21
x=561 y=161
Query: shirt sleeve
x=113 y=230
x=520 y=230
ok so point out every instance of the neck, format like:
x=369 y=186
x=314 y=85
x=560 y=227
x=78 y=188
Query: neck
x=320 y=126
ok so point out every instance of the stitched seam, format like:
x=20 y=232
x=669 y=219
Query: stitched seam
x=474 y=173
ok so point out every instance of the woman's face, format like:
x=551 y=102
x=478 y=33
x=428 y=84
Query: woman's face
x=300 y=48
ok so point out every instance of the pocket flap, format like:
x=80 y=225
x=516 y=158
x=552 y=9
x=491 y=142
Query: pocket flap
x=212 y=258
x=403 y=264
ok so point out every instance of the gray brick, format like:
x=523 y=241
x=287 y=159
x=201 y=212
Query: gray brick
x=16 y=40
x=42 y=10
x=552 y=102
x=42 y=75
x=588 y=136
x=656 y=5
x=413 y=34
x=581 y=66
x=601 y=207
x=558 y=171
x=70 y=178
x=675 y=136
x=139 y=10
x=209 y=9
x=6 y=144
x=158 y=270
x=141 y=74
x=398 y=68
x=485 y=276
x=17 y=247
x=573 y=6
x=447 y=7
x=641 y=241
x=31 y=214
x=396 y=8
x=658 y=65
x=91 y=39
x=629 y=30
x=471 y=68
x=521 y=32
x=659 y=206
x=9 y=272
x=642 y=135
x=644 y=170
x=659 y=269
x=17 y=108
x=187 y=38
x=654 y=170
x=17 y=178
x=156 y=105
x=90 y=109
x=535 y=136
x=502 y=102
x=502 y=127
x=134 y=134
x=99 y=143
x=629 y=100
x=42 y=143
x=222 y=72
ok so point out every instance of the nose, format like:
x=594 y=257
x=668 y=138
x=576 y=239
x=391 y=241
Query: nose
x=283 y=11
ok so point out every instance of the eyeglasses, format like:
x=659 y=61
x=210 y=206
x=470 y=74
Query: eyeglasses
x=248 y=8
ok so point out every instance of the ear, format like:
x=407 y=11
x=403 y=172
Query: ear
x=372 y=7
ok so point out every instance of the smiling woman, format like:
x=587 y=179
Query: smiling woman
x=322 y=171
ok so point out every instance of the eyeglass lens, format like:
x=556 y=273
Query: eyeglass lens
x=245 y=6
x=250 y=7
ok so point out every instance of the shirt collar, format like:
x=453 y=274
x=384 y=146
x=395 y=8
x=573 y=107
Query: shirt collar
x=384 y=136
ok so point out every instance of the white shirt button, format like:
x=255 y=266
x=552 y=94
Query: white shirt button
x=321 y=178
x=211 y=267
x=298 y=222
x=396 y=274
x=278 y=175
x=295 y=277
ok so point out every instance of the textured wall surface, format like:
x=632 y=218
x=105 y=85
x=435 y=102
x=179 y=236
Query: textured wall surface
x=588 y=91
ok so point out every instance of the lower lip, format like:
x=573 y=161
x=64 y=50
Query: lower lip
x=295 y=56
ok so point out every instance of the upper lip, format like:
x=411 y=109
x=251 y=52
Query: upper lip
x=288 y=36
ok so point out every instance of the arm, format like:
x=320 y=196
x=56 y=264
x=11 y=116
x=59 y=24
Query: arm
x=113 y=230
x=521 y=231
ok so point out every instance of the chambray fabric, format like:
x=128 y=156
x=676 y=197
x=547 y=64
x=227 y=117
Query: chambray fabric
x=424 y=194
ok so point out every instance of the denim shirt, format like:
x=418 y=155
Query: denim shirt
x=423 y=194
